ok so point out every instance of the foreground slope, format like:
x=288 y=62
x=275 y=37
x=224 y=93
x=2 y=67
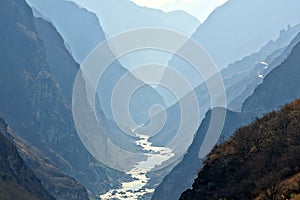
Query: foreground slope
x=186 y=170
x=260 y=161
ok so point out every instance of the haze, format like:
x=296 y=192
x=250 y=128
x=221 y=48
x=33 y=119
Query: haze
x=198 y=8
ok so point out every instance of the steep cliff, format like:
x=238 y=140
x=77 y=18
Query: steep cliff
x=33 y=103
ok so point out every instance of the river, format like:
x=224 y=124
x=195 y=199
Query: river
x=134 y=189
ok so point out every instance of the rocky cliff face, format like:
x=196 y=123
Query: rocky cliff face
x=33 y=104
x=62 y=66
x=17 y=181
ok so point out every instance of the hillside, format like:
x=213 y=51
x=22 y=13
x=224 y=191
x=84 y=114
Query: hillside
x=117 y=16
x=260 y=161
x=17 y=181
x=186 y=170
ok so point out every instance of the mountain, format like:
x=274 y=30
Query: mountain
x=117 y=16
x=121 y=16
x=17 y=180
x=266 y=97
x=239 y=28
x=64 y=70
x=240 y=78
x=279 y=87
x=62 y=66
x=110 y=20
x=34 y=106
x=260 y=161
x=250 y=71
x=79 y=28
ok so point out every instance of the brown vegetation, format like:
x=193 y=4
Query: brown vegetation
x=260 y=161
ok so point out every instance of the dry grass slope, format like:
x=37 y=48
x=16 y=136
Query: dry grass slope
x=260 y=161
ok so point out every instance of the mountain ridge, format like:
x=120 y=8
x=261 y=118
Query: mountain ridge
x=243 y=34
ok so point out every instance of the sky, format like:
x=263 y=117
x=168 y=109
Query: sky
x=198 y=8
